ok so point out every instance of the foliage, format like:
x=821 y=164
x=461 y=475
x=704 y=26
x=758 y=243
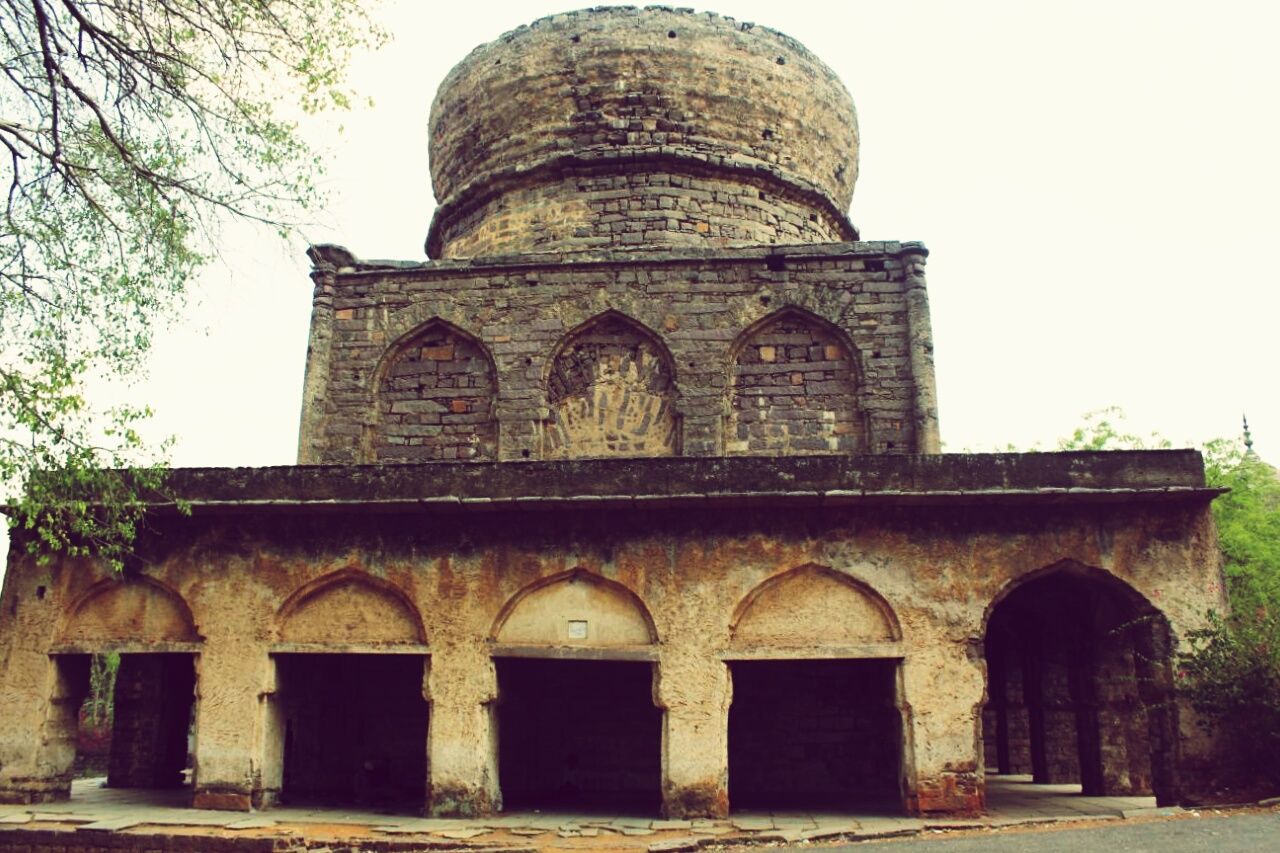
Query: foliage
x=132 y=130
x=1104 y=430
x=1248 y=519
x=99 y=706
x=1231 y=674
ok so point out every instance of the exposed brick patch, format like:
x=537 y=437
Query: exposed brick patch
x=794 y=391
x=435 y=400
x=610 y=393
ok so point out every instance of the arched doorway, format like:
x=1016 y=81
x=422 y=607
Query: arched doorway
x=816 y=719
x=1079 y=685
x=129 y=647
x=348 y=718
x=577 y=724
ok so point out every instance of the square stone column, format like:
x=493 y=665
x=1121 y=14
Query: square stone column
x=943 y=682
x=694 y=691
x=40 y=709
x=462 y=738
x=233 y=683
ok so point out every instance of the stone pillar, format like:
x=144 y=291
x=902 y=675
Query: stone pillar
x=694 y=693
x=920 y=331
x=41 y=743
x=462 y=738
x=270 y=779
x=230 y=674
x=311 y=440
x=942 y=685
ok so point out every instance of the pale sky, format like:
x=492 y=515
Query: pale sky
x=1098 y=184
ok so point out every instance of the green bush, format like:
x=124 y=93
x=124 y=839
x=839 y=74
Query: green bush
x=1231 y=674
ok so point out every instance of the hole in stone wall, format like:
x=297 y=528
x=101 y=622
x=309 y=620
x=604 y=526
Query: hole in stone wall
x=578 y=734
x=575 y=39
x=525 y=453
x=765 y=300
x=671 y=34
x=814 y=734
x=781 y=60
x=767 y=134
x=875 y=354
x=40 y=592
x=775 y=263
x=354 y=729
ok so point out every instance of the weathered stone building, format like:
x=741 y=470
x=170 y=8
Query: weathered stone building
x=632 y=495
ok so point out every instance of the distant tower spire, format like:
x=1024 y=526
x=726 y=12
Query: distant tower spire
x=1248 y=438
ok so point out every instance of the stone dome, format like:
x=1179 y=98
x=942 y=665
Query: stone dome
x=625 y=127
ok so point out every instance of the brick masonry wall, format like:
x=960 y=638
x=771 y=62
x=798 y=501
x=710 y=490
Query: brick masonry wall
x=667 y=203
x=518 y=122
x=700 y=308
x=794 y=391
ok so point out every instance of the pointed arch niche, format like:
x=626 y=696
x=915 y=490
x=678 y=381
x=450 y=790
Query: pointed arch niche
x=575 y=610
x=813 y=611
x=434 y=396
x=132 y=614
x=794 y=389
x=349 y=609
x=611 y=392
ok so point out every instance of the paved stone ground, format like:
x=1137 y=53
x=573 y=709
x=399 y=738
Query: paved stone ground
x=1012 y=801
x=1221 y=833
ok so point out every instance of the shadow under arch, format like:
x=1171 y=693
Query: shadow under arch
x=623 y=375
x=454 y=344
x=809 y=603
x=613 y=614
x=349 y=606
x=1080 y=684
x=839 y=422
x=118 y=613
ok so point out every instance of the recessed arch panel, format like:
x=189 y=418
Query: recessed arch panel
x=813 y=606
x=576 y=608
x=136 y=610
x=794 y=388
x=350 y=607
x=611 y=392
x=435 y=395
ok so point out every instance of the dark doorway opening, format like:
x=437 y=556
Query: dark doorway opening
x=128 y=715
x=355 y=729
x=578 y=734
x=815 y=734
x=1079 y=687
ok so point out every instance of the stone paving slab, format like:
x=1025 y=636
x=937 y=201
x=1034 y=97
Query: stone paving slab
x=113 y=825
x=251 y=823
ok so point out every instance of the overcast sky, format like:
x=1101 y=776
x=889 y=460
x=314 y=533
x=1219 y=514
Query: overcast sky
x=1097 y=182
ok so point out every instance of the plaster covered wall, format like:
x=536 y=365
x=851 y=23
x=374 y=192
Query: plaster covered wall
x=908 y=585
